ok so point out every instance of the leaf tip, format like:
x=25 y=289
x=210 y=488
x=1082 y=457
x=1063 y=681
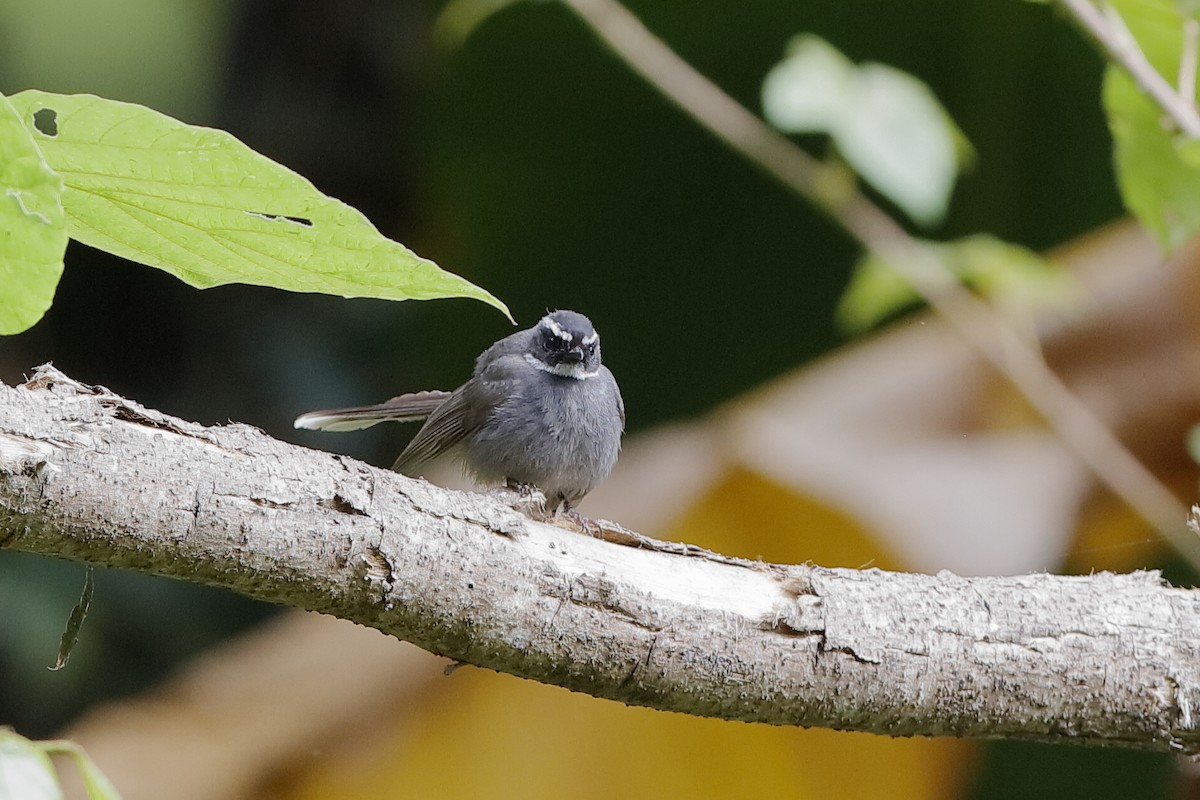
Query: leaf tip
x=499 y=305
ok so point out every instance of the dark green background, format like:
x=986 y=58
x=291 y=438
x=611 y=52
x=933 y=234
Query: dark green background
x=534 y=163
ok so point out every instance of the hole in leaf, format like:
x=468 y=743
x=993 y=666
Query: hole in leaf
x=46 y=121
x=308 y=223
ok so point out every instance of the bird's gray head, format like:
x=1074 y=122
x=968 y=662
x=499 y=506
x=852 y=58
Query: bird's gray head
x=565 y=343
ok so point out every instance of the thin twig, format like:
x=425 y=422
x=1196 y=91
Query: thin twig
x=1111 y=33
x=1078 y=427
x=1187 y=61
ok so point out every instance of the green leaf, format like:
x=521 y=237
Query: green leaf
x=458 y=19
x=1193 y=443
x=1188 y=151
x=201 y=205
x=897 y=136
x=1157 y=25
x=808 y=91
x=1005 y=272
x=97 y=784
x=876 y=292
x=1158 y=171
x=70 y=635
x=887 y=124
x=26 y=772
x=1159 y=181
x=33 y=229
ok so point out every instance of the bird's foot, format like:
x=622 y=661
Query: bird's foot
x=529 y=500
x=585 y=524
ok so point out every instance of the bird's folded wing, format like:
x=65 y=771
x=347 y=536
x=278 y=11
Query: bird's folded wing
x=403 y=408
x=447 y=426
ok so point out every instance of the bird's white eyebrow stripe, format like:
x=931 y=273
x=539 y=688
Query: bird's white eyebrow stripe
x=557 y=329
x=592 y=338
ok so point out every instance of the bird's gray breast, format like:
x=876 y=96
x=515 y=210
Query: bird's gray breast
x=558 y=433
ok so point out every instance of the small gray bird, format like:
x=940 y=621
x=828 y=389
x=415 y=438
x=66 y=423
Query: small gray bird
x=540 y=410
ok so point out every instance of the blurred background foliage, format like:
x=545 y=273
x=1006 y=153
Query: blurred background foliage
x=534 y=164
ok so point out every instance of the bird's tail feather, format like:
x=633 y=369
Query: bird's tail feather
x=403 y=408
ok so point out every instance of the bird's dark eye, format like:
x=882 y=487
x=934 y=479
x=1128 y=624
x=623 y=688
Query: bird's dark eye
x=553 y=342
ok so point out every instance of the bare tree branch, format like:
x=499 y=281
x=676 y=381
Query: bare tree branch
x=1111 y=659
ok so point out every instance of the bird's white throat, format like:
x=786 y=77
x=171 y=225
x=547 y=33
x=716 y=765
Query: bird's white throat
x=576 y=371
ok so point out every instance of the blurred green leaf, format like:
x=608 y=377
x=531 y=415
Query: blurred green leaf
x=1005 y=272
x=808 y=91
x=1188 y=151
x=887 y=124
x=95 y=782
x=1009 y=271
x=458 y=19
x=876 y=291
x=1158 y=172
x=898 y=137
x=1157 y=25
x=1159 y=182
x=1193 y=443
x=33 y=229
x=201 y=205
x=167 y=54
x=25 y=770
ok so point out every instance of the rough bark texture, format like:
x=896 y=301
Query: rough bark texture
x=1105 y=658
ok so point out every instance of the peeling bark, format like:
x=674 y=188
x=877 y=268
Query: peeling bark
x=1102 y=659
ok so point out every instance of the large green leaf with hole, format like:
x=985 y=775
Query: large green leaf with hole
x=33 y=230
x=201 y=205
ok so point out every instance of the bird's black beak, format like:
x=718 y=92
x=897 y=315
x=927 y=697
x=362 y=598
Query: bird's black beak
x=572 y=356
